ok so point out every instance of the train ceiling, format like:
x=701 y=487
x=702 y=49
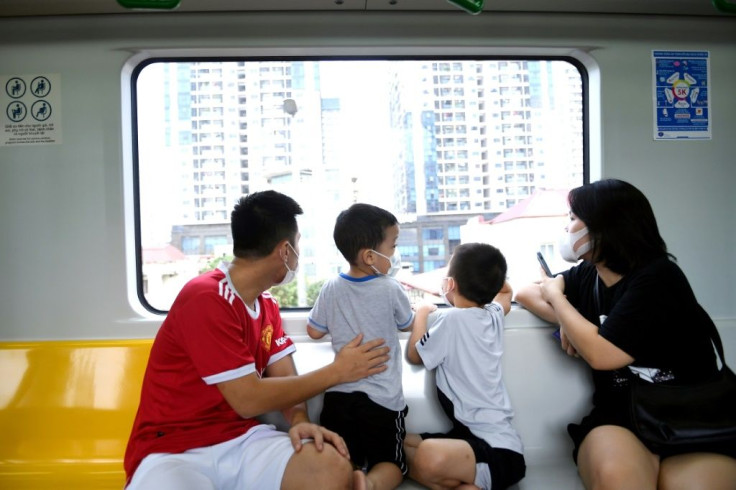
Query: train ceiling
x=15 y=8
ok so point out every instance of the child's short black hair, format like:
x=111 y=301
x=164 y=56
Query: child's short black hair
x=479 y=271
x=361 y=226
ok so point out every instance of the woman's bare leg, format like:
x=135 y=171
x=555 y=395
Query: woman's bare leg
x=698 y=471
x=612 y=457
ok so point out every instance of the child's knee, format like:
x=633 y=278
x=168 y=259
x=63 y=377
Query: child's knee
x=427 y=460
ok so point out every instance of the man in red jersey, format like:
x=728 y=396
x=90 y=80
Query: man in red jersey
x=221 y=358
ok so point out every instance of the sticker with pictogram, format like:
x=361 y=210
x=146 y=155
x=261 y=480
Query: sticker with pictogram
x=32 y=109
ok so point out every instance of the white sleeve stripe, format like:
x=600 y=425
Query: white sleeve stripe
x=280 y=355
x=230 y=375
x=225 y=291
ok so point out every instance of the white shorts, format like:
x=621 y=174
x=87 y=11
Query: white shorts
x=254 y=461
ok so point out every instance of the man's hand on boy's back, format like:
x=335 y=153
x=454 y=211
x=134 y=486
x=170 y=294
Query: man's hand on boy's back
x=356 y=361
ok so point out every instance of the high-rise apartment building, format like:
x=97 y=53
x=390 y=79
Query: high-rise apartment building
x=239 y=127
x=479 y=136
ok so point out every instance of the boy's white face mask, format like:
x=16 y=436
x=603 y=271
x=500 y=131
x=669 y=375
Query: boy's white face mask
x=567 y=245
x=394 y=260
x=443 y=293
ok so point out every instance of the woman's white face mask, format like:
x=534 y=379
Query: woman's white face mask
x=567 y=245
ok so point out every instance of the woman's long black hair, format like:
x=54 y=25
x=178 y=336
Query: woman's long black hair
x=621 y=224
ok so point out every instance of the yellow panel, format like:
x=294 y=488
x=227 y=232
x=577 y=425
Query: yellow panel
x=66 y=409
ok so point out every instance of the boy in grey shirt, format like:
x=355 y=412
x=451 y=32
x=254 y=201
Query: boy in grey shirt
x=369 y=414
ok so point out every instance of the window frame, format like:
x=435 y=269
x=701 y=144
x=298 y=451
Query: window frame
x=582 y=61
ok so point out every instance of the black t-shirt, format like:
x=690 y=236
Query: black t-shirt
x=653 y=316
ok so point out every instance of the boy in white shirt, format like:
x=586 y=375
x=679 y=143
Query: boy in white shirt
x=465 y=344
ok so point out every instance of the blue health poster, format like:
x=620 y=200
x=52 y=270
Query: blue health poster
x=681 y=95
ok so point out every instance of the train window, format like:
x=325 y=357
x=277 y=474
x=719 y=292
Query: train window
x=461 y=149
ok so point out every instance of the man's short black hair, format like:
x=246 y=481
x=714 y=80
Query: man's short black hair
x=260 y=221
x=479 y=270
x=361 y=226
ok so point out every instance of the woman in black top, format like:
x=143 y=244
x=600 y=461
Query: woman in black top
x=626 y=305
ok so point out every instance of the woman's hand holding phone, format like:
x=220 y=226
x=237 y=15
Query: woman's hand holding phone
x=544 y=265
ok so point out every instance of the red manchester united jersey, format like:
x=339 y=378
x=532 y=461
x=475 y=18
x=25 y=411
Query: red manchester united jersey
x=208 y=337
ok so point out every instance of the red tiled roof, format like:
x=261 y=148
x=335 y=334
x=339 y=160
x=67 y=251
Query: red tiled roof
x=542 y=203
x=162 y=255
x=428 y=282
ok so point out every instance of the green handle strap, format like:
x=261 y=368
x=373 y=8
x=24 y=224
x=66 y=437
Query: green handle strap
x=150 y=4
x=725 y=6
x=471 y=6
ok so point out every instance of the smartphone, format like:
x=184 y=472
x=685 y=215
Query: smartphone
x=544 y=265
x=545 y=268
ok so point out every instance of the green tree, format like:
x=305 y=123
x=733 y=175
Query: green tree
x=213 y=263
x=313 y=290
x=285 y=295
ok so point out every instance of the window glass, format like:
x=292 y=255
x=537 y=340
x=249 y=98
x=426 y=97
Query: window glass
x=432 y=233
x=460 y=150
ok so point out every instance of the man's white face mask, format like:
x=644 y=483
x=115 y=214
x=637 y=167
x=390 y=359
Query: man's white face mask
x=567 y=245
x=290 y=274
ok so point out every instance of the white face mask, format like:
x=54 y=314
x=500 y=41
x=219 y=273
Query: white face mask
x=567 y=244
x=394 y=260
x=290 y=274
x=443 y=293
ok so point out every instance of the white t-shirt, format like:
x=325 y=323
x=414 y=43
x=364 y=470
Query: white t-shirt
x=466 y=346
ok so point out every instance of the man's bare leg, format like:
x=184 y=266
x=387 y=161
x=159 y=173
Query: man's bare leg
x=325 y=469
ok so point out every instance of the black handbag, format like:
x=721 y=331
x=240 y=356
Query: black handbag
x=676 y=419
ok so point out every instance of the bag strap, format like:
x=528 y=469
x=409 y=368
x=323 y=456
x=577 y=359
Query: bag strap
x=716 y=339
x=713 y=334
x=597 y=295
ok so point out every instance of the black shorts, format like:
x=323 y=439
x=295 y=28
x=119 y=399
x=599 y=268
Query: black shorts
x=374 y=434
x=507 y=467
x=620 y=416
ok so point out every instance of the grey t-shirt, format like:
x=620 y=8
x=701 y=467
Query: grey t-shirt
x=466 y=346
x=377 y=307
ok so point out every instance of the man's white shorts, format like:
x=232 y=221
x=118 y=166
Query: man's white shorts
x=254 y=461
